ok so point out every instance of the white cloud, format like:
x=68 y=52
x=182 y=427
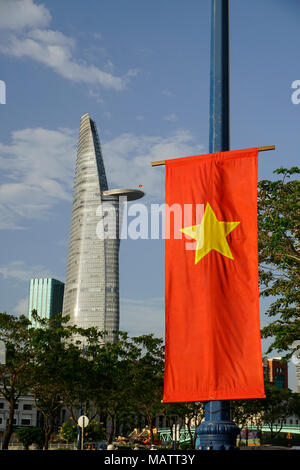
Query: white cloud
x=133 y=72
x=50 y=37
x=96 y=96
x=22 y=307
x=167 y=93
x=143 y=316
x=19 y=271
x=128 y=158
x=37 y=168
x=54 y=50
x=51 y=48
x=38 y=171
x=20 y=14
x=108 y=115
x=97 y=36
x=171 y=117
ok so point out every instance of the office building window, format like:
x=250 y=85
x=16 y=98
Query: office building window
x=25 y=422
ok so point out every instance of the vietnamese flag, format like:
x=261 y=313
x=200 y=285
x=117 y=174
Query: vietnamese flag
x=212 y=324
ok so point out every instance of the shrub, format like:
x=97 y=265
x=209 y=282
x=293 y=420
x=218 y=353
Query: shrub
x=30 y=435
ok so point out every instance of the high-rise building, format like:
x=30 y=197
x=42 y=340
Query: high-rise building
x=91 y=295
x=276 y=371
x=46 y=297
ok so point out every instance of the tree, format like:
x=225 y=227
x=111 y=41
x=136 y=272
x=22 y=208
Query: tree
x=270 y=411
x=173 y=411
x=94 y=432
x=148 y=378
x=247 y=412
x=193 y=417
x=126 y=378
x=279 y=256
x=276 y=407
x=15 y=338
x=110 y=379
x=190 y=414
x=295 y=405
x=68 y=431
x=54 y=365
x=75 y=389
x=30 y=435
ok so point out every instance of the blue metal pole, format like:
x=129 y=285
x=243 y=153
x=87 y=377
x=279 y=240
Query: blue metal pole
x=79 y=430
x=217 y=431
x=219 y=122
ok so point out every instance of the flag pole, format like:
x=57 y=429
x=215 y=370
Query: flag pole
x=217 y=431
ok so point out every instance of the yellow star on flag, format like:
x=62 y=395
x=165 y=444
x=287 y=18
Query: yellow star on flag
x=210 y=234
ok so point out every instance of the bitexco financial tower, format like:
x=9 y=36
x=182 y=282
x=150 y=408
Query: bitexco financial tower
x=91 y=296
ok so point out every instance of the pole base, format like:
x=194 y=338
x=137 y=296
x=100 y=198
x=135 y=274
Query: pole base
x=217 y=436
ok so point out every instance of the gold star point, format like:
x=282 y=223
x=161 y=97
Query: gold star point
x=210 y=235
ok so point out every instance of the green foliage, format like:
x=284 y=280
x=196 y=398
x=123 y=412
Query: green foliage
x=270 y=411
x=94 y=432
x=30 y=435
x=126 y=377
x=191 y=414
x=186 y=446
x=119 y=379
x=244 y=412
x=68 y=432
x=15 y=337
x=279 y=256
x=147 y=375
x=54 y=366
x=278 y=405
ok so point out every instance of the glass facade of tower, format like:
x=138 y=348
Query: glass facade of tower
x=92 y=281
x=46 y=297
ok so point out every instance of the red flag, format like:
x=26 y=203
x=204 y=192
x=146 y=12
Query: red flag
x=213 y=344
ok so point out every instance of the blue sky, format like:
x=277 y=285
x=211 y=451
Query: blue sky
x=141 y=70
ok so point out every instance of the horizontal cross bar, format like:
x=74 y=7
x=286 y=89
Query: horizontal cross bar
x=260 y=149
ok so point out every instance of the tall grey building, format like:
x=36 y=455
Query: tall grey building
x=91 y=296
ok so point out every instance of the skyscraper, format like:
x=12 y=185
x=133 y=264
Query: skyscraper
x=91 y=295
x=46 y=297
